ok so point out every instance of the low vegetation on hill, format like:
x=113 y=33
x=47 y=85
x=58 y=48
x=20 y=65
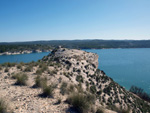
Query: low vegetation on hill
x=78 y=44
x=67 y=80
x=23 y=47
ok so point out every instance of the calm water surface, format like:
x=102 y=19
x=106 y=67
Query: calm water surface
x=126 y=66
x=23 y=57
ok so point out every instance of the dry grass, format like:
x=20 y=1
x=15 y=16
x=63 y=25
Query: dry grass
x=21 y=79
x=80 y=102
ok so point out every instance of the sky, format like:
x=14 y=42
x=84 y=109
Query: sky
x=31 y=20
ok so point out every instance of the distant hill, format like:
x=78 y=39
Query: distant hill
x=78 y=44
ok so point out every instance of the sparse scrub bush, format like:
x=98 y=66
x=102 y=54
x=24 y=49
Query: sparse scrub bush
x=6 y=69
x=107 y=90
x=4 y=64
x=103 y=98
x=97 y=78
x=78 y=70
x=93 y=89
x=119 y=110
x=51 y=64
x=79 y=78
x=22 y=63
x=71 y=88
x=21 y=79
x=100 y=110
x=39 y=72
x=8 y=64
x=140 y=92
x=48 y=91
x=44 y=68
x=80 y=102
x=91 y=82
x=91 y=98
x=28 y=69
x=53 y=72
x=87 y=84
x=63 y=88
x=14 y=76
x=40 y=65
x=60 y=79
x=67 y=75
x=79 y=88
x=3 y=106
x=19 y=66
x=58 y=101
x=68 y=67
x=40 y=82
x=99 y=92
x=0 y=67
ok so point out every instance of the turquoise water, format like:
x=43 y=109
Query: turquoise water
x=22 y=57
x=126 y=66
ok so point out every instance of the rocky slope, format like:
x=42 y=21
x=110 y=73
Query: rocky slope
x=71 y=71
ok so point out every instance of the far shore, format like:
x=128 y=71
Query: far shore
x=39 y=51
x=24 y=52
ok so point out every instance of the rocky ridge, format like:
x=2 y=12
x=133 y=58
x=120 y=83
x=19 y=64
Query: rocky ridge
x=74 y=67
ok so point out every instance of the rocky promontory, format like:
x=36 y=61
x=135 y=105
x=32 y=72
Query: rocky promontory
x=67 y=80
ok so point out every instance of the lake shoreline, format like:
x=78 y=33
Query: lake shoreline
x=40 y=51
x=24 y=52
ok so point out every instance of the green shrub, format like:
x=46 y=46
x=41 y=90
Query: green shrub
x=48 y=91
x=71 y=88
x=58 y=101
x=12 y=64
x=93 y=89
x=28 y=69
x=53 y=72
x=40 y=82
x=63 y=88
x=39 y=72
x=140 y=92
x=91 y=98
x=6 y=69
x=4 y=64
x=19 y=66
x=37 y=81
x=44 y=68
x=100 y=110
x=21 y=79
x=41 y=65
x=22 y=63
x=79 y=78
x=3 y=106
x=119 y=110
x=79 y=88
x=80 y=102
x=14 y=76
x=8 y=64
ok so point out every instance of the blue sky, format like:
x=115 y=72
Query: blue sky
x=30 y=20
